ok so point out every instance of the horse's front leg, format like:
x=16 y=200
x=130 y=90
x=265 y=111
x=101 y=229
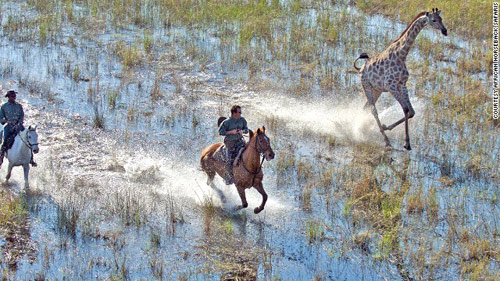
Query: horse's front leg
x=244 y=203
x=9 y=172
x=26 y=168
x=260 y=189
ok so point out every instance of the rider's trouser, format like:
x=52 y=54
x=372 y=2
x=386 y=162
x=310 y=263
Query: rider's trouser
x=230 y=154
x=7 y=132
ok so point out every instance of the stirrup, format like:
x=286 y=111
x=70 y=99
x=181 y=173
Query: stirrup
x=237 y=158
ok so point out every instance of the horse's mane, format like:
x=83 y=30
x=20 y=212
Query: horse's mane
x=417 y=17
x=252 y=135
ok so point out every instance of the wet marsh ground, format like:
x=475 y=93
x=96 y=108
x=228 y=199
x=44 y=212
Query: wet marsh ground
x=127 y=93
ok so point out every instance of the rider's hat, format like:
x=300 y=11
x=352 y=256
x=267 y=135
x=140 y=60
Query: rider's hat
x=10 y=93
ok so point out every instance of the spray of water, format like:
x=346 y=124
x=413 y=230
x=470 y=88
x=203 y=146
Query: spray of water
x=186 y=182
x=346 y=121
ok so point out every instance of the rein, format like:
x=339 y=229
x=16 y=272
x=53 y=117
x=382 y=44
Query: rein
x=261 y=162
x=258 y=169
x=27 y=142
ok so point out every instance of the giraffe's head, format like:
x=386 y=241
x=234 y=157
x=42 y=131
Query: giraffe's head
x=436 y=21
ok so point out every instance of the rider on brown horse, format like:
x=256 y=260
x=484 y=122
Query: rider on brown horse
x=233 y=130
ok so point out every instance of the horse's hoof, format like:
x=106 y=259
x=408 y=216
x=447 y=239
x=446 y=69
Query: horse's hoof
x=257 y=210
x=384 y=127
x=407 y=146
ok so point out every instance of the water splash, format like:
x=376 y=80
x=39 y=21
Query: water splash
x=346 y=120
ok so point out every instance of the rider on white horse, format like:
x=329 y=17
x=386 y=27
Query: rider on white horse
x=11 y=114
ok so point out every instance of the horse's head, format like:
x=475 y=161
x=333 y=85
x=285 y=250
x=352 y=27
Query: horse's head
x=32 y=138
x=263 y=143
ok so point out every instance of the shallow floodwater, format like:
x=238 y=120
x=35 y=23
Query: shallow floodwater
x=130 y=201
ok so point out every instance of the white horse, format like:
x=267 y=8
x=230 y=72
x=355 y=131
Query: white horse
x=25 y=143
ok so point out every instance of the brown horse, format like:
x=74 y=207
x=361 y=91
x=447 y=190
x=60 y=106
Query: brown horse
x=248 y=172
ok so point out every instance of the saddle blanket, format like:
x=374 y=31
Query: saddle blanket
x=221 y=153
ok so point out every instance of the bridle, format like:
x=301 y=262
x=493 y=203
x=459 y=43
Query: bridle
x=261 y=154
x=27 y=141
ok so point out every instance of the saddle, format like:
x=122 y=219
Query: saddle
x=221 y=153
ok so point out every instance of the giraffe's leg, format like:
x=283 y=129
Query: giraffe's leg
x=407 y=136
x=404 y=103
x=393 y=125
x=373 y=101
x=411 y=113
x=401 y=95
x=372 y=97
x=375 y=113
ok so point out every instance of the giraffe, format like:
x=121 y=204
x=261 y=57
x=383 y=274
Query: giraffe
x=386 y=71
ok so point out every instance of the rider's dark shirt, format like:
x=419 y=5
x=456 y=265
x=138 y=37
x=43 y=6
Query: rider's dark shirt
x=13 y=112
x=231 y=124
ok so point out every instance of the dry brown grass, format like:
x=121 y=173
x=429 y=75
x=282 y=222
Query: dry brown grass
x=415 y=203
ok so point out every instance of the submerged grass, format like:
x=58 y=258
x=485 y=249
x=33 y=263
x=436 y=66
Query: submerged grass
x=228 y=254
x=15 y=232
x=13 y=208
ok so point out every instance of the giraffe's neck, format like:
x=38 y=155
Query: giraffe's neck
x=404 y=43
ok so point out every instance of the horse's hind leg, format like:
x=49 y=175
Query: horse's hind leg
x=219 y=192
x=210 y=177
x=206 y=168
x=26 y=168
x=9 y=172
x=260 y=189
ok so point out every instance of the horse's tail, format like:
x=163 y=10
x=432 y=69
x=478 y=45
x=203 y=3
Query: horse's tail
x=362 y=56
x=200 y=168
x=206 y=153
x=202 y=161
x=220 y=120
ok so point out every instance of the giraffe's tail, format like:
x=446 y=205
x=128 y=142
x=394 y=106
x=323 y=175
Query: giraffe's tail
x=362 y=56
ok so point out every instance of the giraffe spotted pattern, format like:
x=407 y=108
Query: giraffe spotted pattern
x=387 y=72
